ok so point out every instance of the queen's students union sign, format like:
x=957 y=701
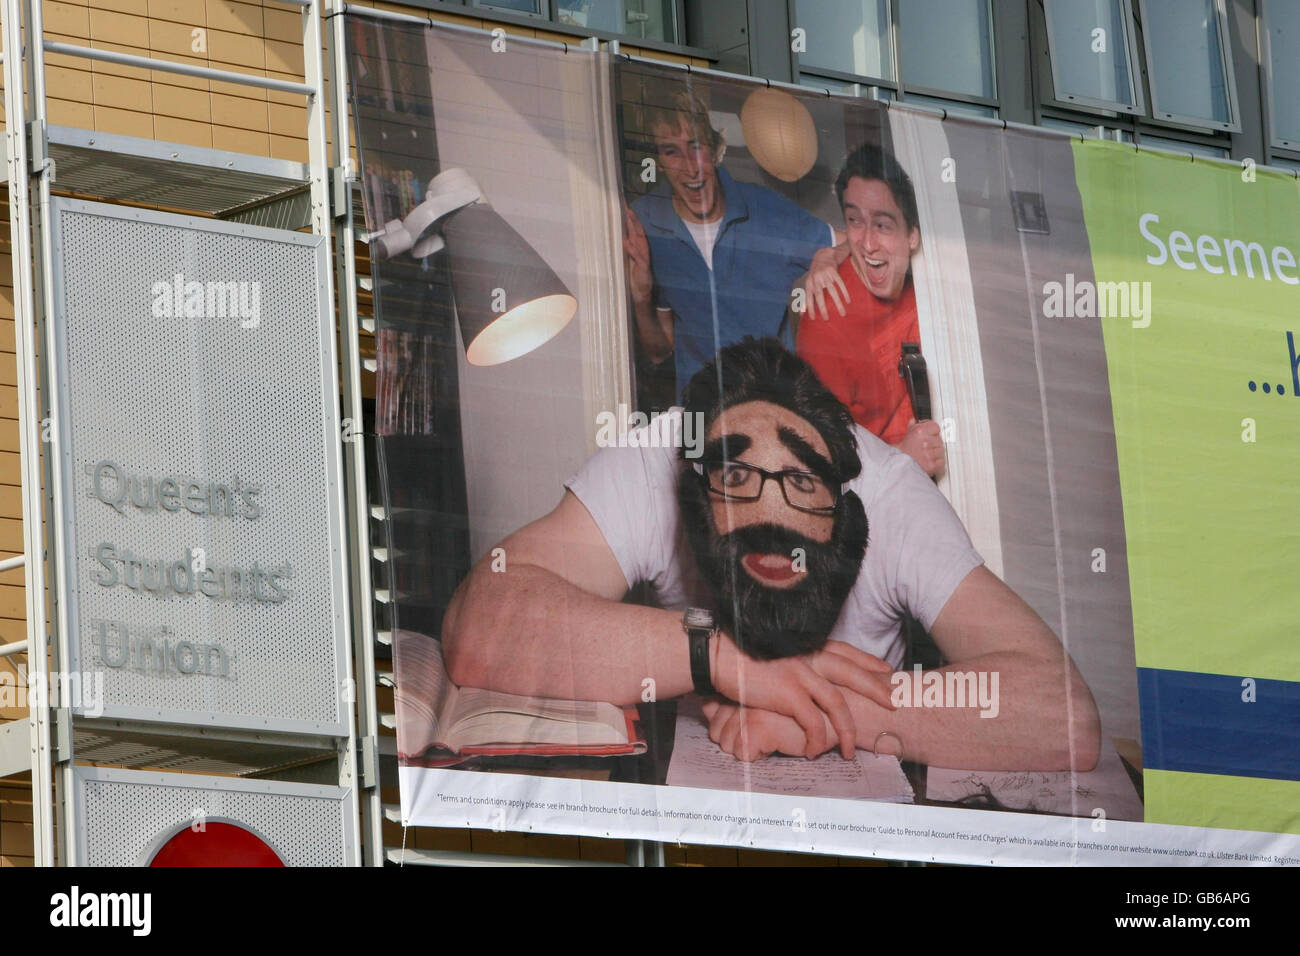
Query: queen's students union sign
x=197 y=425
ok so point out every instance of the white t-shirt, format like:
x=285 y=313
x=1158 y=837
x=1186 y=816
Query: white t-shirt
x=705 y=235
x=917 y=550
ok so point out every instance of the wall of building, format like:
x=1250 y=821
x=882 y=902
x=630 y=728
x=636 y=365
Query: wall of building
x=257 y=38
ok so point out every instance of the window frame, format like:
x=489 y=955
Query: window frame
x=993 y=102
x=1266 y=61
x=487 y=5
x=1233 y=125
x=547 y=21
x=1074 y=101
x=865 y=79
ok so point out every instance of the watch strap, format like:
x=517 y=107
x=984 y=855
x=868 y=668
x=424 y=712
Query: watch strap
x=698 y=638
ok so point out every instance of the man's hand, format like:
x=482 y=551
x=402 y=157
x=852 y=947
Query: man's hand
x=923 y=443
x=636 y=250
x=824 y=278
x=806 y=689
x=748 y=734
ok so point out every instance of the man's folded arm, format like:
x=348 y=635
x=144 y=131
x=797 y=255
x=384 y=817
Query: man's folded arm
x=552 y=623
x=1040 y=713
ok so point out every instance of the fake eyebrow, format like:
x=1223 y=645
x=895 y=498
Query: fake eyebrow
x=805 y=453
x=726 y=447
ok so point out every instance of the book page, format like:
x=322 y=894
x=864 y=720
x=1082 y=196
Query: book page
x=485 y=717
x=422 y=693
x=698 y=762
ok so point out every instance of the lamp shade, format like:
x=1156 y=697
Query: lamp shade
x=508 y=300
x=780 y=133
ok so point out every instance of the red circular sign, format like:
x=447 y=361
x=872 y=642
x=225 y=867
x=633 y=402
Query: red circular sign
x=216 y=844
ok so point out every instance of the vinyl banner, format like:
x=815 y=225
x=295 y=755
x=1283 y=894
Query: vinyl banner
x=774 y=469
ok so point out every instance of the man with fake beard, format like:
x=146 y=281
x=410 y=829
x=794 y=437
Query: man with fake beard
x=783 y=560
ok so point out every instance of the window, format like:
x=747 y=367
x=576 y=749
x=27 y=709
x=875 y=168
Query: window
x=635 y=19
x=1090 y=43
x=945 y=50
x=936 y=48
x=1282 y=42
x=847 y=36
x=1188 y=62
x=518 y=6
x=644 y=19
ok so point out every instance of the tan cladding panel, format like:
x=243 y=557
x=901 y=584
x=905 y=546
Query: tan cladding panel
x=221 y=34
x=263 y=39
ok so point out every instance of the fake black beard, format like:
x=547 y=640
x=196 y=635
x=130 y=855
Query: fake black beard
x=767 y=622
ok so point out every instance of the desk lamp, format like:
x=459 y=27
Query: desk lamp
x=508 y=300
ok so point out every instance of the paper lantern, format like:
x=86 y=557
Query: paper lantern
x=780 y=134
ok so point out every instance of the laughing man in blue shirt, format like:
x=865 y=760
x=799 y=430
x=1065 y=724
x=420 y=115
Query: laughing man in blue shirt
x=711 y=260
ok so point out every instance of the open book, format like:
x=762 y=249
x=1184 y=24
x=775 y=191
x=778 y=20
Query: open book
x=443 y=723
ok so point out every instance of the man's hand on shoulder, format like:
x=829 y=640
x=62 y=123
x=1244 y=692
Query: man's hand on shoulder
x=822 y=279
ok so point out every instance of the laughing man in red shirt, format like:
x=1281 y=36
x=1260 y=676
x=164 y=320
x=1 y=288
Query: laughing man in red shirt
x=856 y=353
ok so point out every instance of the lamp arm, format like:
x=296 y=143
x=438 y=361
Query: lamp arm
x=450 y=190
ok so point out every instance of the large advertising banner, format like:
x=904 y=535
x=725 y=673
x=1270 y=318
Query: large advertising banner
x=774 y=469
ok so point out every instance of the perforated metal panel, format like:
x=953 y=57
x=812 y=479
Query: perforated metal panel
x=238 y=389
x=122 y=817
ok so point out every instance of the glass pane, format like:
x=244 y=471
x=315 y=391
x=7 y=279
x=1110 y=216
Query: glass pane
x=952 y=106
x=1090 y=50
x=1178 y=146
x=1186 y=53
x=1284 y=53
x=643 y=19
x=847 y=35
x=958 y=57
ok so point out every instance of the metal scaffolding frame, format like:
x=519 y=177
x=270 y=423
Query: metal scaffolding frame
x=233 y=186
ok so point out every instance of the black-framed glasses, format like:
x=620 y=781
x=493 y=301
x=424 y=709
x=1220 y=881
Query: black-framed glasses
x=739 y=481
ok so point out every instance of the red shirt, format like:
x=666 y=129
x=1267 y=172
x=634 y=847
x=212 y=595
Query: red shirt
x=856 y=355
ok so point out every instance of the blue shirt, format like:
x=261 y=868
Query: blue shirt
x=764 y=243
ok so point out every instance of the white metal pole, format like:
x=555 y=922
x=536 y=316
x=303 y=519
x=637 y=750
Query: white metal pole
x=321 y=220
x=358 y=506
x=43 y=170
x=29 y=431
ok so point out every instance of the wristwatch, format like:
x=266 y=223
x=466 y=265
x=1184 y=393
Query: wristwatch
x=699 y=627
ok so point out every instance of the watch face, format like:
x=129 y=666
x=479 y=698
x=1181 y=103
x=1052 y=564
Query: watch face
x=698 y=617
